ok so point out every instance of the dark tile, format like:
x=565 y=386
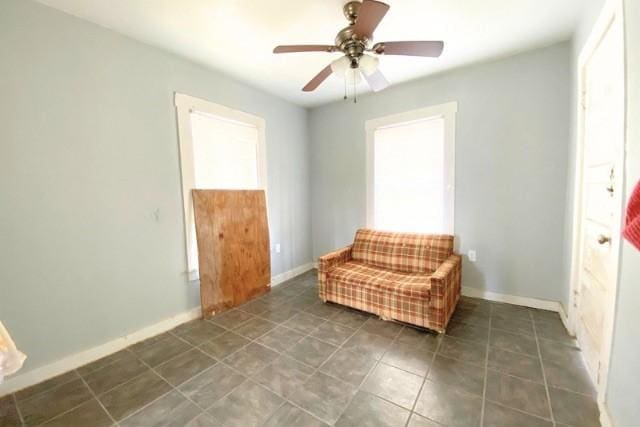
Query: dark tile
x=211 y=385
x=255 y=307
x=46 y=385
x=255 y=328
x=373 y=345
x=128 y=398
x=368 y=410
x=513 y=325
x=198 y=331
x=283 y=375
x=185 y=366
x=304 y=322
x=466 y=351
x=311 y=351
x=280 y=339
x=471 y=317
x=9 y=416
x=280 y=313
x=249 y=404
x=574 y=409
x=323 y=396
x=384 y=328
x=554 y=330
x=501 y=416
x=469 y=332
x=572 y=377
x=415 y=359
x=520 y=365
x=251 y=359
x=304 y=301
x=118 y=373
x=517 y=393
x=49 y=404
x=393 y=384
x=104 y=362
x=513 y=342
x=475 y=304
x=170 y=410
x=202 y=420
x=461 y=375
x=231 y=319
x=333 y=333
x=326 y=310
x=349 y=366
x=511 y=311
x=224 y=345
x=89 y=413
x=419 y=421
x=449 y=406
x=419 y=338
x=544 y=315
x=156 y=352
x=350 y=318
x=559 y=353
x=290 y=416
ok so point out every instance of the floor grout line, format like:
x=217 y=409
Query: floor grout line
x=15 y=402
x=486 y=369
x=98 y=400
x=544 y=374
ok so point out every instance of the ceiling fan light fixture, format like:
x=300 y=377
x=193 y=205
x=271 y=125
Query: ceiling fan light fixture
x=369 y=64
x=340 y=66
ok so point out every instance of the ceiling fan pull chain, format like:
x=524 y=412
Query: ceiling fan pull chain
x=345 y=89
x=355 y=92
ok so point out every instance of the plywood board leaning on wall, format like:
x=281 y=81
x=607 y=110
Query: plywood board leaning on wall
x=233 y=247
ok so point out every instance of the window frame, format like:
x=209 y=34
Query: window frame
x=185 y=105
x=447 y=112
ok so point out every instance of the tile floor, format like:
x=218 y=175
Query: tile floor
x=287 y=359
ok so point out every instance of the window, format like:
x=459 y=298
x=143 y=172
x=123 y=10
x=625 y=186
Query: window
x=220 y=148
x=410 y=171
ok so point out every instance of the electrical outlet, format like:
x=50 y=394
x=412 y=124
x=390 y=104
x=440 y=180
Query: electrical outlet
x=472 y=256
x=277 y=248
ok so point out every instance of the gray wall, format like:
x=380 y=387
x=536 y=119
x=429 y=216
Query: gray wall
x=623 y=393
x=511 y=157
x=88 y=152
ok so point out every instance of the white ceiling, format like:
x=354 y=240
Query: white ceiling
x=237 y=36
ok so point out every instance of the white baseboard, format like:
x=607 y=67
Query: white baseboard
x=43 y=373
x=513 y=299
x=283 y=277
x=35 y=376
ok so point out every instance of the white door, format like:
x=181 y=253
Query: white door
x=602 y=122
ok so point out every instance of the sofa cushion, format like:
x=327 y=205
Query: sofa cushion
x=402 y=252
x=367 y=277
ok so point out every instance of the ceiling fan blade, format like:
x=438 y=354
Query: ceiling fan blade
x=304 y=48
x=319 y=78
x=431 y=49
x=376 y=80
x=369 y=16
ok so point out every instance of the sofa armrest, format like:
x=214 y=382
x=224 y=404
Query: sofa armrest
x=445 y=291
x=328 y=262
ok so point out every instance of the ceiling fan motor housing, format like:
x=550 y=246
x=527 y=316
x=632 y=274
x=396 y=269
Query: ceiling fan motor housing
x=346 y=40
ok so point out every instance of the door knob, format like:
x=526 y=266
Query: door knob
x=603 y=239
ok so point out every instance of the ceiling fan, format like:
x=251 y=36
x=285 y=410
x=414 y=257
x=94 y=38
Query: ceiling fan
x=355 y=40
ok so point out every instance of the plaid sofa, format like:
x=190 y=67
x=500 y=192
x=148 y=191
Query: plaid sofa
x=412 y=278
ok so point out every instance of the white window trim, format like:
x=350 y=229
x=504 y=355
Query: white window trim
x=446 y=111
x=186 y=104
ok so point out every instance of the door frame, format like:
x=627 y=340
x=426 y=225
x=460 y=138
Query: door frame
x=612 y=10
